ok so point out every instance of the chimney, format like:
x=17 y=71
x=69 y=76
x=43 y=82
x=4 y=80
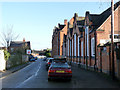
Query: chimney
x=58 y=25
x=87 y=12
x=65 y=22
x=68 y=25
x=23 y=39
x=76 y=15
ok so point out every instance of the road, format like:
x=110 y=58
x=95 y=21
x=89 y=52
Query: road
x=35 y=76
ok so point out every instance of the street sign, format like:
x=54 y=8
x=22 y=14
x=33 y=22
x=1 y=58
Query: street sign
x=28 y=51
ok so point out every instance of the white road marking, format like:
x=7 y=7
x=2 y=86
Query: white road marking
x=29 y=77
x=38 y=70
x=25 y=81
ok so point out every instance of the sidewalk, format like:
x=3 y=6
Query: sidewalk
x=89 y=76
x=12 y=70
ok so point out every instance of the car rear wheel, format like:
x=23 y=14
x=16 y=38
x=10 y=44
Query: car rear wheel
x=47 y=68
x=49 y=79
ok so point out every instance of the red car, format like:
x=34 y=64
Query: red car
x=59 y=71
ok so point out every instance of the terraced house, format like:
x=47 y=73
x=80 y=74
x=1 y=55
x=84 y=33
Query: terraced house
x=86 y=34
x=98 y=32
x=57 y=38
x=74 y=33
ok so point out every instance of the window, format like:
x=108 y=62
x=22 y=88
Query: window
x=116 y=36
x=75 y=45
x=12 y=49
x=72 y=47
x=81 y=34
x=68 y=47
x=93 y=47
x=104 y=48
x=82 y=48
x=87 y=41
x=78 y=45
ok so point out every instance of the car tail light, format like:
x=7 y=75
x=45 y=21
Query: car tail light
x=50 y=71
x=68 y=71
x=48 y=62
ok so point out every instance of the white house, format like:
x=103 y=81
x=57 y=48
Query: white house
x=2 y=61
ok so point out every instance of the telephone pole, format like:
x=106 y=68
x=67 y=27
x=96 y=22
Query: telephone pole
x=112 y=39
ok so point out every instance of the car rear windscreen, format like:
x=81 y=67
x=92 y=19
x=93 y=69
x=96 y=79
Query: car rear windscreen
x=60 y=65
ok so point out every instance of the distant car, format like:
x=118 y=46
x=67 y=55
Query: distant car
x=44 y=59
x=35 y=58
x=31 y=58
x=48 y=62
x=59 y=71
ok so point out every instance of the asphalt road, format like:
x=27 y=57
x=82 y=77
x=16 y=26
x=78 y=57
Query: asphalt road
x=35 y=76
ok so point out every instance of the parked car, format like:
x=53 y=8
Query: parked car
x=59 y=71
x=35 y=58
x=59 y=58
x=31 y=58
x=44 y=59
x=48 y=62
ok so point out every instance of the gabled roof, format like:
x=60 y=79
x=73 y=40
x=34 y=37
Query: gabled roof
x=56 y=29
x=80 y=18
x=99 y=19
x=60 y=26
x=18 y=43
x=81 y=22
x=80 y=25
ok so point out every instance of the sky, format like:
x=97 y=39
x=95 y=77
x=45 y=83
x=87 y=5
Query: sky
x=35 y=20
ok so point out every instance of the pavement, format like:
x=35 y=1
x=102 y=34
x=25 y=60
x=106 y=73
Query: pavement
x=12 y=70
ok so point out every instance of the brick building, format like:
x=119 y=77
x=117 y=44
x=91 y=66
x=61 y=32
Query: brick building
x=14 y=45
x=104 y=58
x=57 y=38
x=87 y=37
x=75 y=32
x=98 y=31
x=93 y=31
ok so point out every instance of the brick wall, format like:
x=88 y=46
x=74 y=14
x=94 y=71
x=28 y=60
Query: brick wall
x=55 y=44
x=105 y=62
x=106 y=26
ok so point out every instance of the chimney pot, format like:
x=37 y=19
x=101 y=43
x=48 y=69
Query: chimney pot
x=23 y=39
x=65 y=22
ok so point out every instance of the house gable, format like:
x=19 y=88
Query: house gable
x=99 y=19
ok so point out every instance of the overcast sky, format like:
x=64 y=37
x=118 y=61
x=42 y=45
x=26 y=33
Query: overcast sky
x=35 y=21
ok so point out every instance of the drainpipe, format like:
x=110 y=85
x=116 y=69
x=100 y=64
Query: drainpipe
x=100 y=59
x=95 y=49
x=86 y=50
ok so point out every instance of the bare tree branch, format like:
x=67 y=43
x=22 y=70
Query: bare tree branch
x=8 y=35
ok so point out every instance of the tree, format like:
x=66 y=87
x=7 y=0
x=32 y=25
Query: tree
x=6 y=55
x=7 y=36
x=47 y=53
